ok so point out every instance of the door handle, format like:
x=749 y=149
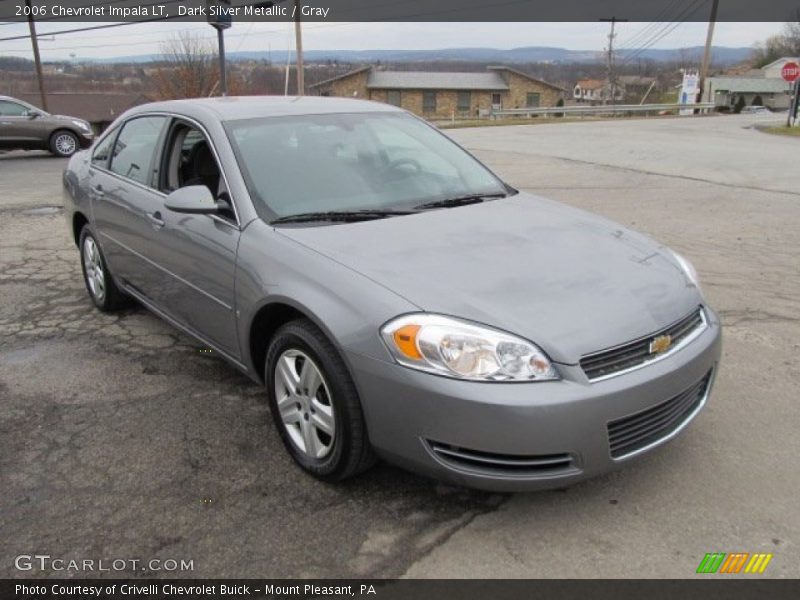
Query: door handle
x=98 y=191
x=155 y=219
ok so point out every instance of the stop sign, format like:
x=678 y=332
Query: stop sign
x=790 y=71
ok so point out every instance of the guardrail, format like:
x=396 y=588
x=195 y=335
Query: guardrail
x=608 y=109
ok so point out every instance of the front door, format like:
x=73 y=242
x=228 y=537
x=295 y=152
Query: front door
x=17 y=128
x=497 y=101
x=197 y=253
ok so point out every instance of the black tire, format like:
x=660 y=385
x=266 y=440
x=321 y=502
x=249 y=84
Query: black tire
x=112 y=298
x=350 y=452
x=64 y=143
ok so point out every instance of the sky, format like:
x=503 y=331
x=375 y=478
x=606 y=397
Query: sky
x=147 y=39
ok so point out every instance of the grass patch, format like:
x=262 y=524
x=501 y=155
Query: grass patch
x=783 y=130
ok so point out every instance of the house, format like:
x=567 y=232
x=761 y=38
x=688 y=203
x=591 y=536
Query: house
x=596 y=91
x=442 y=95
x=760 y=91
x=764 y=87
x=98 y=109
x=773 y=69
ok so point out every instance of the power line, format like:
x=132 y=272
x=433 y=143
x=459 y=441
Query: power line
x=665 y=22
x=683 y=17
x=643 y=33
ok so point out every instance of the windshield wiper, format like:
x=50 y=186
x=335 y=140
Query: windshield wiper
x=459 y=201
x=344 y=216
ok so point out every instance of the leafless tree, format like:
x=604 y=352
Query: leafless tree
x=188 y=68
x=777 y=46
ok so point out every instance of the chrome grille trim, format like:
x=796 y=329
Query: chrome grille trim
x=512 y=465
x=642 y=431
x=599 y=366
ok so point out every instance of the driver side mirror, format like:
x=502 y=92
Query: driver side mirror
x=192 y=199
x=33 y=114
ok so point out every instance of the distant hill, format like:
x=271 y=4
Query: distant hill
x=532 y=54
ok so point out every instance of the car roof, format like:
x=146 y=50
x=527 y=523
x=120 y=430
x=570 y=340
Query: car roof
x=232 y=108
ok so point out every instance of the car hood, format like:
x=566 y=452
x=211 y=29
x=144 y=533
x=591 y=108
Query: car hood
x=568 y=280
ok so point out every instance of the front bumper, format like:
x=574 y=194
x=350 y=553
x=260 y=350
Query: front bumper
x=523 y=436
x=85 y=140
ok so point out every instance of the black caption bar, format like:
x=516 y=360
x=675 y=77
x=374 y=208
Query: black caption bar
x=399 y=10
x=462 y=589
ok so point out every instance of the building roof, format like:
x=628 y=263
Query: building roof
x=423 y=80
x=590 y=84
x=436 y=80
x=747 y=85
x=781 y=61
x=92 y=107
x=526 y=76
x=343 y=76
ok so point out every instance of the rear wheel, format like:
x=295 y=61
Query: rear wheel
x=314 y=403
x=64 y=143
x=99 y=282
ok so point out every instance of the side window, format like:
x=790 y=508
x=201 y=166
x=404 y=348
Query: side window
x=12 y=109
x=428 y=102
x=464 y=101
x=103 y=150
x=189 y=160
x=136 y=147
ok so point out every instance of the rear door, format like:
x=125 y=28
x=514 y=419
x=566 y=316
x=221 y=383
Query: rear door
x=126 y=206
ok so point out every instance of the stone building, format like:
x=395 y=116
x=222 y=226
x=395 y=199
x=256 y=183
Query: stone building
x=441 y=95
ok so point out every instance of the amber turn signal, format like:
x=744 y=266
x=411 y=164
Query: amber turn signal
x=405 y=339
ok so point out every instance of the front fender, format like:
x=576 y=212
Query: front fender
x=347 y=306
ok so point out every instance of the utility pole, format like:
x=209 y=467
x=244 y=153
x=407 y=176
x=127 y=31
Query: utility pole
x=223 y=73
x=707 y=54
x=298 y=44
x=221 y=23
x=36 y=58
x=611 y=76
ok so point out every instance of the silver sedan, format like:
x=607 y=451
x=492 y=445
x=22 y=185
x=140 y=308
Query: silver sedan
x=393 y=295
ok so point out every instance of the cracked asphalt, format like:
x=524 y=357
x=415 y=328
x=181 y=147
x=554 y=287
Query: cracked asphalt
x=120 y=438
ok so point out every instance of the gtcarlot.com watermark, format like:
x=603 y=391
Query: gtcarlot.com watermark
x=45 y=562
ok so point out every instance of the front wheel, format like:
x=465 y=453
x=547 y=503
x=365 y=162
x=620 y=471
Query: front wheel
x=64 y=143
x=314 y=403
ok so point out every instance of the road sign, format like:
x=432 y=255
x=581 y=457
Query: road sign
x=790 y=71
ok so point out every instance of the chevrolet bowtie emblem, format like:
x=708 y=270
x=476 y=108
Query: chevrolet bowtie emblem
x=660 y=344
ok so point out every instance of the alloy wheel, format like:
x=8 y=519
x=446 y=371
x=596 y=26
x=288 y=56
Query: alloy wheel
x=65 y=144
x=304 y=403
x=95 y=276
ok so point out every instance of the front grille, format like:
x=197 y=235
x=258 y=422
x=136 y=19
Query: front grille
x=634 y=432
x=502 y=464
x=633 y=354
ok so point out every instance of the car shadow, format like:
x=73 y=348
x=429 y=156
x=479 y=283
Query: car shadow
x=28 y=155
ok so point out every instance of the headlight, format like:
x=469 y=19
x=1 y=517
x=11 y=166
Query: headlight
x=82 y=125
x=688 y=269
x=458 y=349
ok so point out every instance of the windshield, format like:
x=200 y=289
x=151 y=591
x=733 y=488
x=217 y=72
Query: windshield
x=352 y=162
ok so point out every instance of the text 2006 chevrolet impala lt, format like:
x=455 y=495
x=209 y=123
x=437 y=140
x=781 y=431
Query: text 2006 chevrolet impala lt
x=395 y=297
